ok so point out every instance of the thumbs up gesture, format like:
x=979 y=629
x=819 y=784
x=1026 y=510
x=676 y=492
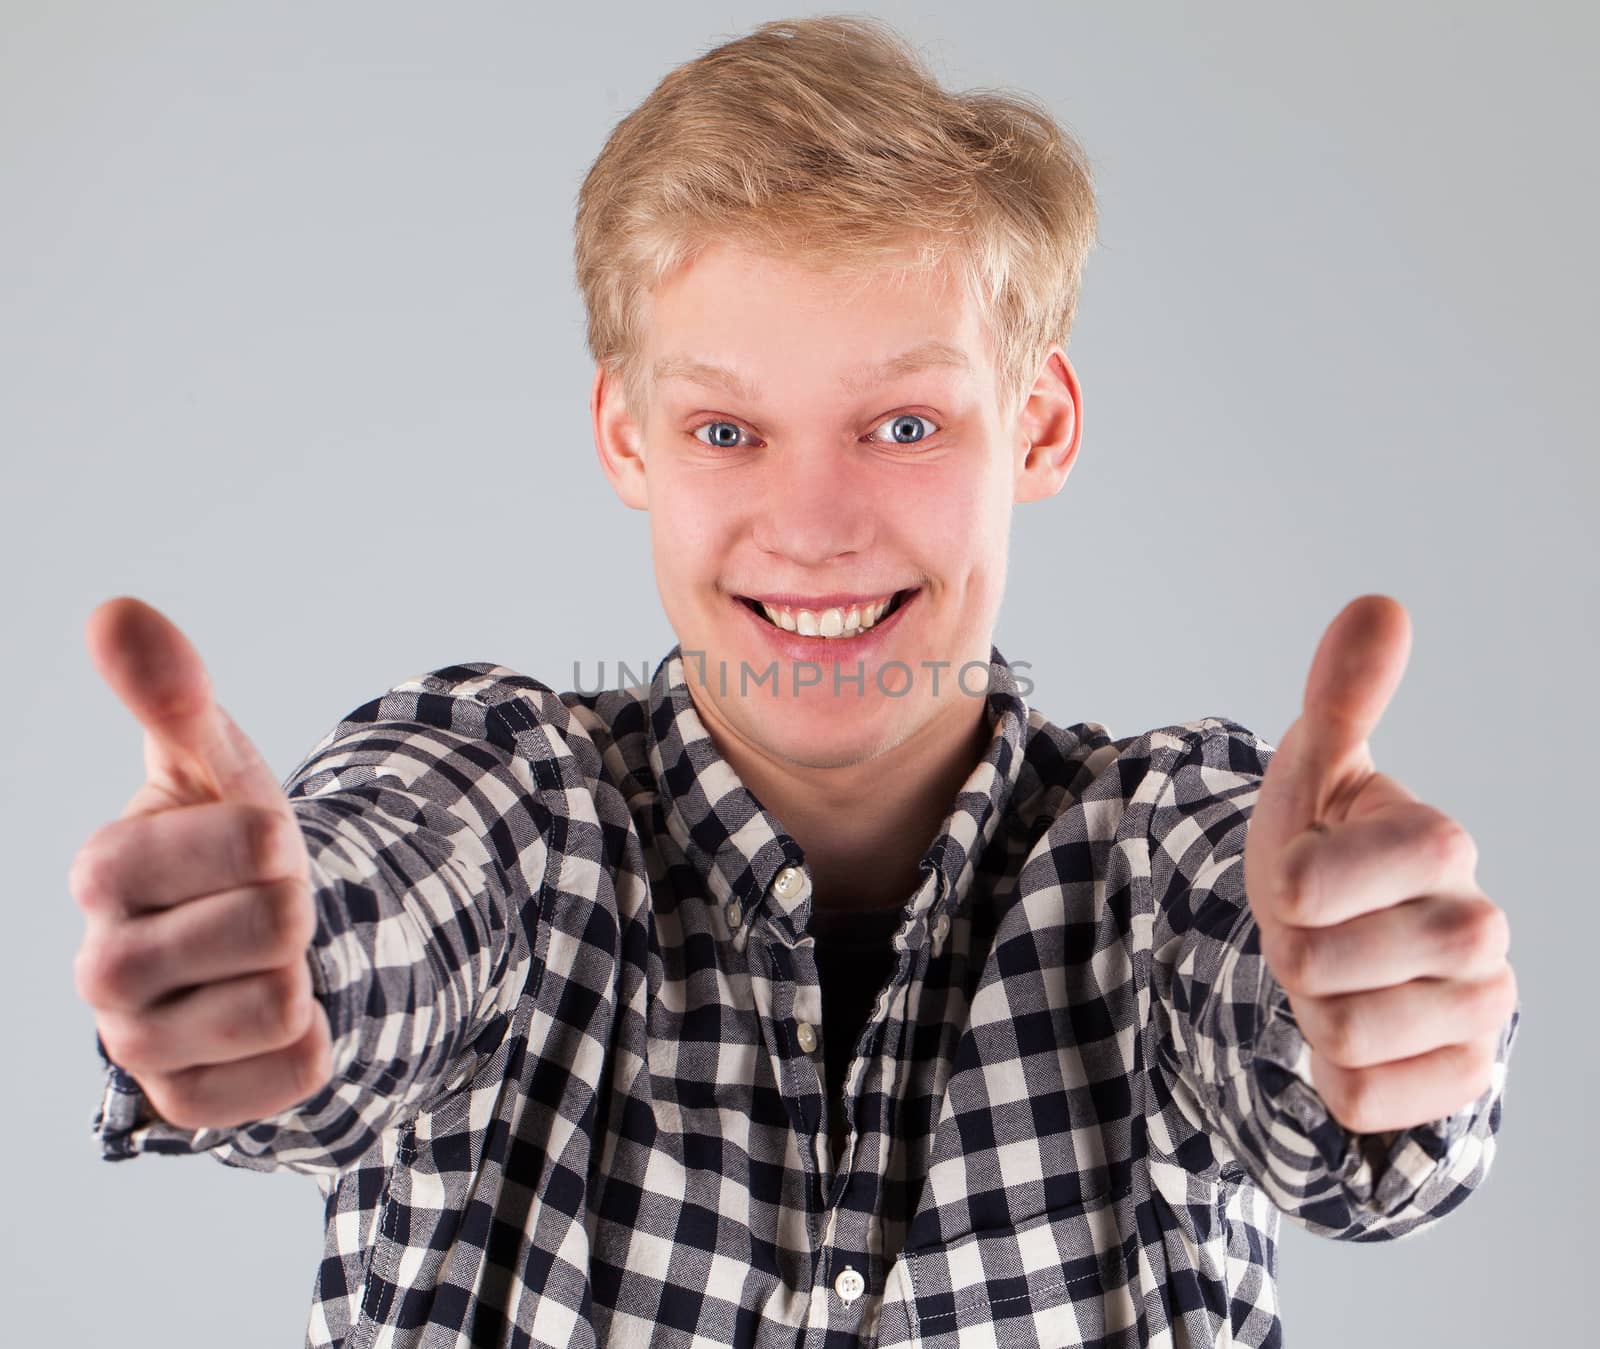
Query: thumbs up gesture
x=1367 y=903
x=198 y=900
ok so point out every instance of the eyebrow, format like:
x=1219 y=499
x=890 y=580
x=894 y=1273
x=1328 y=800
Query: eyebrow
x=920 y=357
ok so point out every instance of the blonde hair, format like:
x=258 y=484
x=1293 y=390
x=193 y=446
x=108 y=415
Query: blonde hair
x=828 y=140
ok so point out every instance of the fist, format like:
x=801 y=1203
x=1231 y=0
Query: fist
x=1367 y=901
x=197 y=899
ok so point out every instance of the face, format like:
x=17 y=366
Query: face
x=824 y=474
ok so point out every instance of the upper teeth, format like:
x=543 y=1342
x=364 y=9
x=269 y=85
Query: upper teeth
x=827 y=622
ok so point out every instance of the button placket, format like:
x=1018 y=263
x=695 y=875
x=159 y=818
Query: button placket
x=787 y=882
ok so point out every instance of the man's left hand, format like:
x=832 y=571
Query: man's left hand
x=1367 y=901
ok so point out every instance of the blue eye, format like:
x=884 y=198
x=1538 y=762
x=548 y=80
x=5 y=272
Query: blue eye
x=899 y=421
x=720 y=443
x=728 y=435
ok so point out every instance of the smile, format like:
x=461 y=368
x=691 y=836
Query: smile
x=832 y=623
x=836 y=621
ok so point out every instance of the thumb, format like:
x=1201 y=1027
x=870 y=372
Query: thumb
x=1323 y=760
x=194 y=751
x=1357 y=667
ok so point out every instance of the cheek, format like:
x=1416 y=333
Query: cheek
x=961 y=527
x=686 y=526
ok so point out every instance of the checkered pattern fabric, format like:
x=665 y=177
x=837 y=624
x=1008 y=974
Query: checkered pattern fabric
x=564 y=952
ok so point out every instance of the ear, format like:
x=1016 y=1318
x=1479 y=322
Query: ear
x=1049 y=428
x=618 y=439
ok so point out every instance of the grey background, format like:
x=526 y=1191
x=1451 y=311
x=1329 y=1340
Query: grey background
x=290 y=348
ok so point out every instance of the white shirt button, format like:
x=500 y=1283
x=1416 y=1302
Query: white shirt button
x=849 y=1285
x=735 y=914
x=806 y=1033
x=786 y=884
x=941 y=929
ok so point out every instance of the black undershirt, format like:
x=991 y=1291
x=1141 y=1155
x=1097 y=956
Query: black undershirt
x=855 y=955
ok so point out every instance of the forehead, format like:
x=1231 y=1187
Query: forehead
x=733 y=312
x=923 y=356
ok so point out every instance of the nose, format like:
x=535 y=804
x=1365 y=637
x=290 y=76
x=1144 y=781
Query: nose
x=816 y=504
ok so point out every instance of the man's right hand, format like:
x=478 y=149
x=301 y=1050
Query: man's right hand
x=198 y=898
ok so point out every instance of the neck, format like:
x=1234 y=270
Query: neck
x=865 y=826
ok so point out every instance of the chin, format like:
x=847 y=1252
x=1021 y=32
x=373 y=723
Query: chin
x=817 y=728
x=840 y=751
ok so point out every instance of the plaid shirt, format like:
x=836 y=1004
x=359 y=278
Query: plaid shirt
x=578 y=1096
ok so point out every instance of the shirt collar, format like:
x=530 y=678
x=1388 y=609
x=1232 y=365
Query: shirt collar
x=739 y=847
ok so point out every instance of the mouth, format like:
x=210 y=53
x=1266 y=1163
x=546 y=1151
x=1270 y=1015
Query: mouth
x=829 y=625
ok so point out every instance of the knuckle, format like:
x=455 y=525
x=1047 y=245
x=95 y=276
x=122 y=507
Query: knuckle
x=86 y=975
x=281 y=1006
x=244 y=844
x=108 y=970
x=285 y=919
x=131 y=1044
x=269 y=842
x=1453 y=925
x=1298 y=896
x=1366 y=1105
x=1341 y=1033
x=1500 y=997
x=1481 y=1003
x=1353 y=1102
x=1482 y=934
x=1483 y=1066
x=175 y=1099
x=1454 y=849
x=1478 y=1069
x=91 y=877
x=252 y=842
x=1290 y=960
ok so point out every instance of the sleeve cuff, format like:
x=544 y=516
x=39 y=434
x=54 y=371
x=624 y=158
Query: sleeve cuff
x=126 y=1124
x=1382 y=1174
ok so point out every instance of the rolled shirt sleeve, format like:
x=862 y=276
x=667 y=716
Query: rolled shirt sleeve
x=1230 y=1043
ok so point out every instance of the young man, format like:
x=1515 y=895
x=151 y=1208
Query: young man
x=819 y=991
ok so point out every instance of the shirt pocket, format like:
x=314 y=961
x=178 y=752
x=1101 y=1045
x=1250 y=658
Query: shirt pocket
x=1054 y=1280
